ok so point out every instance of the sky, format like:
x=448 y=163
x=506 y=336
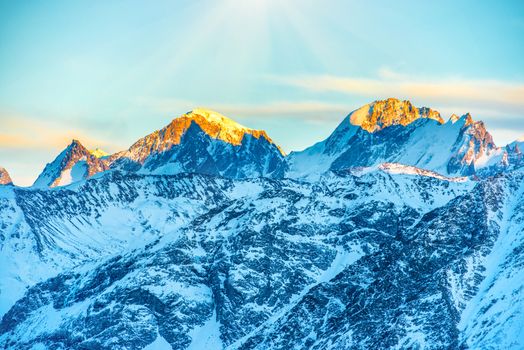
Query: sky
x=109 y=72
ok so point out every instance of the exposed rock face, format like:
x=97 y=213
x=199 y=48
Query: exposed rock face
x=5 y=179
x=382 y=114
x=211 y=123
x=474 y=144
x=514 y=154
x=74 y=163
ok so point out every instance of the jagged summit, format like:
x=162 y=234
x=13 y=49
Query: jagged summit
x=200 y=141
x=5 y=179
x=74 y=163
x=371 y=135
x=220 y=127
x=467 y=118
x=383 y=113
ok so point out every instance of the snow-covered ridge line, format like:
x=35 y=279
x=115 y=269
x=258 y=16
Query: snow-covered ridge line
x=396 y=168
x=394 y=131
x=384 y=131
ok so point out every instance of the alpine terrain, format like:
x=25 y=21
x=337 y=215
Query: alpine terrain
x=404 y=229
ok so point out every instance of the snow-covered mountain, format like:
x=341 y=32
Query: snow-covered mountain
x=387 y=131
x=203 y=235
x=395 y=131
x=73 y=164
x=201 y=141
x=5 y=179
x=205 y=142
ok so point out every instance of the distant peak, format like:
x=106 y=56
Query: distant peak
x=383 y=113
x=454 y=118
x=212 y=123
x=468 y=119
x=75 y=147
x=5 y=179
x=75 y=144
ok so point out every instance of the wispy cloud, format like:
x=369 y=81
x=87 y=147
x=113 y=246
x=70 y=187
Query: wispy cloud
x=23 y=132
x=308 y=111
x=493 y=95
x=27 y=143
x=499 y=103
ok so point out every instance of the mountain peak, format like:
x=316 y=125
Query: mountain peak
x=203 y=141
x=75 y=143
x=383 y=113
x=460 y=147
x=210 y=122
x=5 y=179
x=220 y=127
x=75 y=146
x=74 y=163
x=466 y=118
x=214 y=117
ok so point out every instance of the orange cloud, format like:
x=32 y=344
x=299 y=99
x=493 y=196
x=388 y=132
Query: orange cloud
x=311 y=111
x=22 y=132
x=487 y=94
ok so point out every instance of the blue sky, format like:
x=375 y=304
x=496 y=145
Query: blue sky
x=109 y=72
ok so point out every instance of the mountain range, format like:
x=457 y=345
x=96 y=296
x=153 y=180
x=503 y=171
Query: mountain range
x=388 y=131
x=401 y=230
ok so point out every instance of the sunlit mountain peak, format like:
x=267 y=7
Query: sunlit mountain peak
x=220 y=127
x=5 y=179
x=383 y=113
x=210 y=122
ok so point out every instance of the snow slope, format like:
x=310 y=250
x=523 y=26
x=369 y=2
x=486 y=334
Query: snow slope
x=241 y=258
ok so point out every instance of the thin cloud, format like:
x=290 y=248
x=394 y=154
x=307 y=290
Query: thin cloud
x=309 y=111
x=22 y=132
x=503 y=96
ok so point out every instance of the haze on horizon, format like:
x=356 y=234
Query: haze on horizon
x=110 y=72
